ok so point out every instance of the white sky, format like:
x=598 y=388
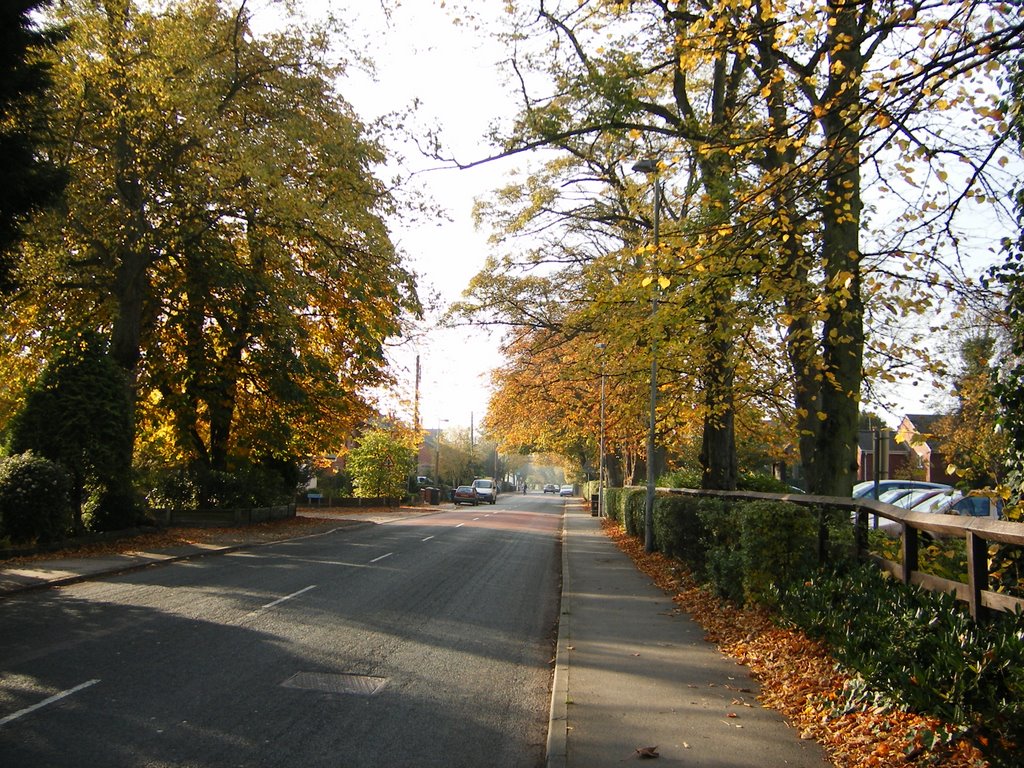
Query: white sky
x=420 y=54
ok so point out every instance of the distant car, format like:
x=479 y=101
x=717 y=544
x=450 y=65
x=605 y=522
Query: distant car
x=486 y=489
x=565 y=490
x=866 y=490
x=550 y=488
x=465 y=494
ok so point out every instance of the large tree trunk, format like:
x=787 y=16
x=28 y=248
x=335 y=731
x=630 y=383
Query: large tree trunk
x=843 y=327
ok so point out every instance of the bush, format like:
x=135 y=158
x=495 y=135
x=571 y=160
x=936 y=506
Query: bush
x=761 y=484
x=634 y=501
x=681 y=478
x=678 y=529
x=199 y=487
x=613 y=503
x=34 y=503
x=921 y=648
x=723 y=567
x=778 y=542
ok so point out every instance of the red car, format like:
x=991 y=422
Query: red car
x=465 y=494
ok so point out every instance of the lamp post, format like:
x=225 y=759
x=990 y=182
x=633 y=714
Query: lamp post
x=600 y=464
x=650 y=166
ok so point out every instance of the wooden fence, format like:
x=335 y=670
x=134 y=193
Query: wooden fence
x=977 y=532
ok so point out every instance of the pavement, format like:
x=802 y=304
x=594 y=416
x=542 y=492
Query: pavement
x=632 y=673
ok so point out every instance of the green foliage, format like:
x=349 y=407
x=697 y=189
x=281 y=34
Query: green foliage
x=79 y=413
x=919 y=647
x=723 y=566
x=678 y=528
x=761 y=483
x=33 y=499
x=380 y=464
x=680 y=478
x=634 y=502
x=199 y=487
x=778 y=542
x=613 y=503
x=27 y=181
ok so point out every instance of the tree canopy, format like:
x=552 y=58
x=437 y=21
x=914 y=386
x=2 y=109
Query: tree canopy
x=815 y=161
x=223 y=226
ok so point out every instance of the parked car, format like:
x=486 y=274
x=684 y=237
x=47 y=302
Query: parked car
x=550 y=488
x=866 y=489
x=958 y=503
x=465 y=494
x=904 y=498
x=942 y=502
x=486 y=489
x=565 y=490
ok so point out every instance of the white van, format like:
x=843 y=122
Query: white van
x=486 y=489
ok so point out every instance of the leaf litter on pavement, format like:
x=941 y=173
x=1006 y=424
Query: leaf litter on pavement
x=799 y=678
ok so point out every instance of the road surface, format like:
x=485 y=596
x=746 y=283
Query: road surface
x=423 y=642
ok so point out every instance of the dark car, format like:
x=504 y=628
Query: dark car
x=550 y=488
x=465 y=494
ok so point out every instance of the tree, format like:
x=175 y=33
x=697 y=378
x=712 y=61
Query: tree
x=224 y=226
x=969 y=438
x=381 y=463
x=798 y=104
x=78 y=415
x=27 y=182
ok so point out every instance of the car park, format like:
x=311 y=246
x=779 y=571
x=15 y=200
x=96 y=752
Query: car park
x=565 y=490
x=550 y=488
x=465 y=494
x=486 y=489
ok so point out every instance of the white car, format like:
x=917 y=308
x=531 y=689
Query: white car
x=565 y=490
x=487 y=490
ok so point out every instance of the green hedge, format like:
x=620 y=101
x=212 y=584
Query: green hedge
x=634 y=501
x=613 y=503
x=921 y=648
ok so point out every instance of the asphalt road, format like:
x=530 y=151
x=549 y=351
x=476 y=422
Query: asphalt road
x=424 y=642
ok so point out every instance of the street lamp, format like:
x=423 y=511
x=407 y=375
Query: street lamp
x=650 y=166
x=600 y=464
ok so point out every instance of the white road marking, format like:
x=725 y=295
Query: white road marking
x=46 y=702
x=377 y=559
x=428 y=538
x=287 y=597
x=460 y=525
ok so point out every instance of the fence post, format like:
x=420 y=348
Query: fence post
x=977 y=573
x=911 y=552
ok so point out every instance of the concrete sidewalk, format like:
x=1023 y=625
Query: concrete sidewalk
x=632 y=673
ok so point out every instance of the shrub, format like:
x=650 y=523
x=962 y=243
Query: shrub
x=34 y=503
x=723 y=568
x=681 y=478
x=919 y=647
x=778 y=542
x=613 y=503
x=634 y=501
x=761 y=484
x=678 y=529
x=199 y=487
